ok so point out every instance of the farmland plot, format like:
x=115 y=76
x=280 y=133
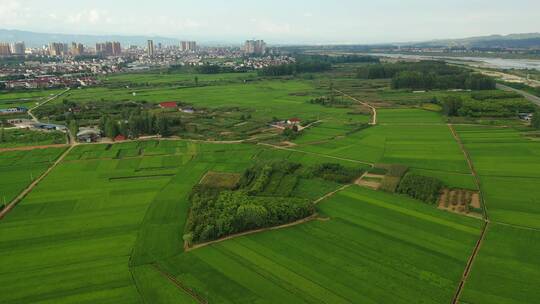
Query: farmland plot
x=18 y=169
x=76 y=235
x=373 y=248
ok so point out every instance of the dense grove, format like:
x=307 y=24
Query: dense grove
x=336 y=173
x=427 y=75
x=420 y=187
x=261 y=199
x=487 y=104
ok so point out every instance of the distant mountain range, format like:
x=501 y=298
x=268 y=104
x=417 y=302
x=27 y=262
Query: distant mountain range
x=33 y=39
x=527 y=41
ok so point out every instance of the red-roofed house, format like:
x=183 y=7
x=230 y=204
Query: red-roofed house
x=120 y=138
x=168 y=105
x=294 y=121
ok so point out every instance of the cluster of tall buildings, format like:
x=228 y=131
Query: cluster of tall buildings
x=109 y=48
x=16 y=48
x=255 y=47
x=188 y=46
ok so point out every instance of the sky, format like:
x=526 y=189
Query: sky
x=277 y=21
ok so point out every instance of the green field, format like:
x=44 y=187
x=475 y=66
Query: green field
x=374 y=248
x=172 y=79
x=268 y=99
x=507 y=163
x=506 y=271
x=107 y=225
x=25 y=99
x=415 y=138
x=18 y=138
x=18 y=169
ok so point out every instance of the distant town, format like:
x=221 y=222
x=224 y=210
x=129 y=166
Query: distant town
x=60 y=64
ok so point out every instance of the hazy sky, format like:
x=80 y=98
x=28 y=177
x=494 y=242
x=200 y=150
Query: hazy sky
x=277 y=21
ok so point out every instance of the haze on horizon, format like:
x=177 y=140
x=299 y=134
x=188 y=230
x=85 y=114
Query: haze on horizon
x=278 y=21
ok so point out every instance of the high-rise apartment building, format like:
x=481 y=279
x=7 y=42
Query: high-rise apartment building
x=18 y=48
x=109 y=48
x=150 y=49
x=188 y=46
x=5 y=49
x=77 y=49
x=56 y=49
x=255 y=47
x=116 y=48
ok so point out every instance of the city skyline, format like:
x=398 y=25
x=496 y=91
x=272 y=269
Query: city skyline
x=344 y=21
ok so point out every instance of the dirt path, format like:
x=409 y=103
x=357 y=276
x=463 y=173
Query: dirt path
x=28 y=148
x=29 y=189
x=472 y=258
x=373 y=109
x=179 y=285
x=34 y=118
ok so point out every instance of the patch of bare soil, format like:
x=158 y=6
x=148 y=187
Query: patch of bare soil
x=460 y=201
x=372 y=181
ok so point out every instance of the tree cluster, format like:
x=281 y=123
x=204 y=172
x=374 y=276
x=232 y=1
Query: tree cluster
x=427 y=75
x=420 y=187
x=136 y=125
x=485 y=106
x=336 y=173
x=216 y=213
x=294 y=68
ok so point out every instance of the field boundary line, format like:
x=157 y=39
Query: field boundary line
x=317 y=154
x=31 y=187
x=476 y=249
x=179 y=284
x=373 y=109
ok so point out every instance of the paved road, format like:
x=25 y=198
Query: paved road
x=530 y=97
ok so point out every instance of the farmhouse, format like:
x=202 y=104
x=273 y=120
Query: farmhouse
x=49 y=127
x=120 y=137
x=294 y=121
x=88 y=135
x=188 y=110
x=168 y=105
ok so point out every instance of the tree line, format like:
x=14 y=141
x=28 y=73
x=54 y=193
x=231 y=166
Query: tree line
x=454 y=106
x=427 y=75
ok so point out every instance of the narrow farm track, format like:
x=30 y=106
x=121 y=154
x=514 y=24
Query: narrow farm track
x=373 y=109
x=31 y=187
x=34 y=118
x=28 y=148
x=179 y=285
x=472 y=258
